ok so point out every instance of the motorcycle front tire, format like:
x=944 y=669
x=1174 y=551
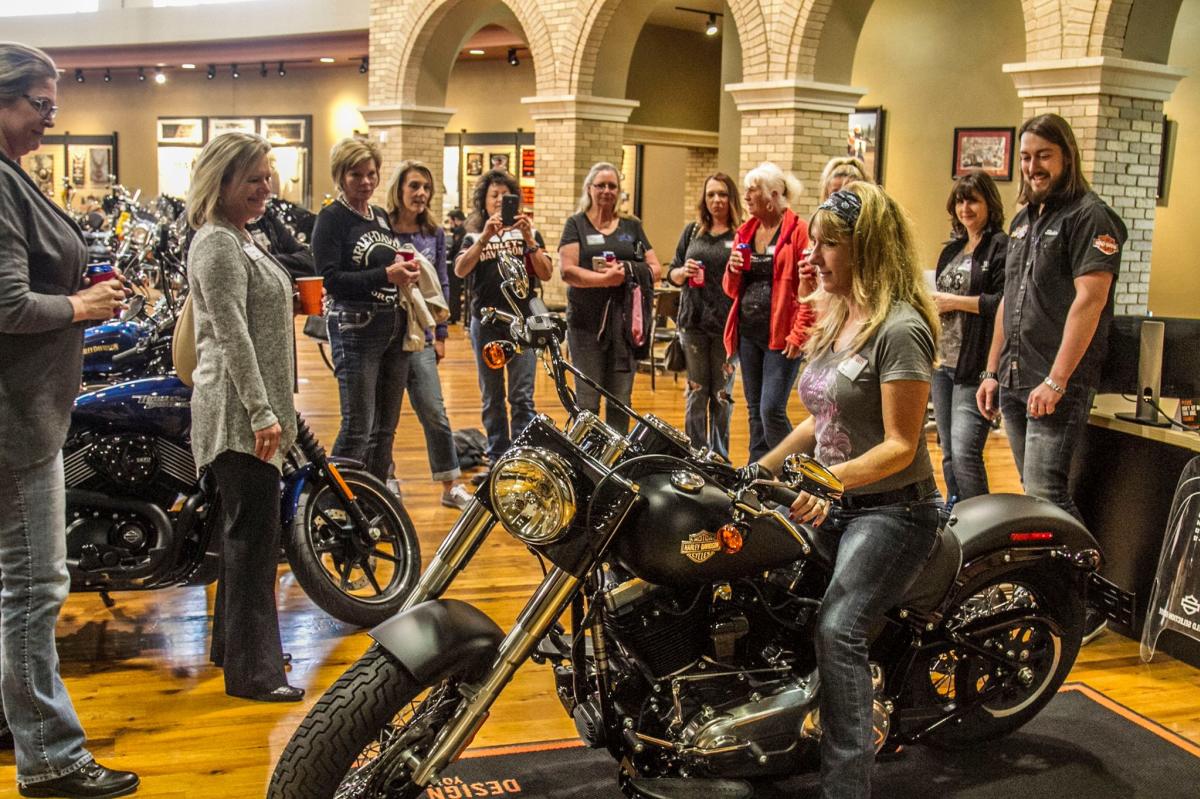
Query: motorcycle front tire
x=346 y=731
x=317 y=554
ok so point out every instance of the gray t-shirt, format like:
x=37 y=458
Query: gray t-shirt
x=842 y=391
x=954 y=279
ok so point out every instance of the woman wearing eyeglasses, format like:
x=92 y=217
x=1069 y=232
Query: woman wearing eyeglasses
x=596 y=289
x=42 y=303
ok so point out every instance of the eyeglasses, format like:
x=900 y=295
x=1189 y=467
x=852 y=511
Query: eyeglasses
x=605 y=186
x=45 y=107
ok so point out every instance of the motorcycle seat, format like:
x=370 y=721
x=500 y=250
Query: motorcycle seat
x=942 y=566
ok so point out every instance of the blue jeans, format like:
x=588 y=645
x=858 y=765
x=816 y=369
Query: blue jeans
x=880 y=553
x=501 y=428
x=962 y=433
x=767 y=380
x=1043 y=447
x=371 y=366
x=47 y=735
x=709 y=399
x=425 y=393
x=612 y=369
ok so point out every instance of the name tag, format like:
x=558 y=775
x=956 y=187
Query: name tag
x=251 y=250
x=595 y=239
x=771 y=250
x=729 y=244
x=852 y=367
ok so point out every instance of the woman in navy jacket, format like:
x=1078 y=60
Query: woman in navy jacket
x=969 y=285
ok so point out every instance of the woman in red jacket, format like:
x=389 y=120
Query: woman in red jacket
x=768 y=325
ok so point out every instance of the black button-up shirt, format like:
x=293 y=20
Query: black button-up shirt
x=1046 y=252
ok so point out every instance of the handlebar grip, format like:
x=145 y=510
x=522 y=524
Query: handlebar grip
x=537 y=307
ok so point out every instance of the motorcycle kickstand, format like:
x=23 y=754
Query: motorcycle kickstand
x=108 y=601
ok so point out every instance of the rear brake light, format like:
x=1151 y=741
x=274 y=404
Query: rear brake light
x=1020 y=538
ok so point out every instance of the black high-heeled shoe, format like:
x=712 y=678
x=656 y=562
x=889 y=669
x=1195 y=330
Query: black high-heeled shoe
x=284 y=693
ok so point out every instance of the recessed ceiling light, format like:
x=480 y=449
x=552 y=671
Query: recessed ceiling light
x=328 y=60
x=187 y=66
x=476 y=52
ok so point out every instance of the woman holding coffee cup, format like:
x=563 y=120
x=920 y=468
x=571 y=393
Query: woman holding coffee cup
x=700 y=258
x=361 y=260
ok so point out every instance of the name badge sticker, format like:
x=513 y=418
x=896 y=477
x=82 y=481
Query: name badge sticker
x=852 y=367
x=771 y=250
x=595 y=239
x=729 y=244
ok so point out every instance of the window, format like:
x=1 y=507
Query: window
x=24 y=8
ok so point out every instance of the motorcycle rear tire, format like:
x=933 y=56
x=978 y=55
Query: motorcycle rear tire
x=351 y=716
x=305 y=553
x=1056 y=597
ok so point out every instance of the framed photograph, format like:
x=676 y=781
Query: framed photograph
x=528 y=162
x=865 y=139
x=474 y=165
x=219 y=125
x=175 y=130
x=498 y=161
x=286 y=130
x=988 y=149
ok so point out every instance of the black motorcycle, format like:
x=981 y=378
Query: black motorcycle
x=692 y=601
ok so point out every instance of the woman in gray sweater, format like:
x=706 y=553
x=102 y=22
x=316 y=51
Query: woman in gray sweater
x=243 y=419
x=42 y=256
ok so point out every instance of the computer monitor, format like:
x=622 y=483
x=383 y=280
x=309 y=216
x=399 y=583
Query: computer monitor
x=1180 y=357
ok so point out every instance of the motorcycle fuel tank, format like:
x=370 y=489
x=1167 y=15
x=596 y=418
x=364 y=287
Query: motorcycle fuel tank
x=671 y=539
x=153 y=406
x=102 y=342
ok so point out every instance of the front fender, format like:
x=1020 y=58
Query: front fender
x=440 y=637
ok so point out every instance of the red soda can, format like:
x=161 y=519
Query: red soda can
x=697 y=280
x=609 y=256
x=97 y=273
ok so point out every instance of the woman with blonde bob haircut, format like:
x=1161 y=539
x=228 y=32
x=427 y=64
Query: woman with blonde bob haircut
x=243 y=418
x=866 y=386
x=839 y=172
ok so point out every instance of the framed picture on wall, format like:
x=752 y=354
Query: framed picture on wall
x=528 y=162
x=498 y=161
x=474 y=165
x=988 y=149
x=181 y=130
x=865 y=139
x=219 y=125
x=284 y=130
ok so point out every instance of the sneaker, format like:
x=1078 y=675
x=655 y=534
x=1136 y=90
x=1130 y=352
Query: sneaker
x=394 y=486
x=1094 y=623
x=457 y=497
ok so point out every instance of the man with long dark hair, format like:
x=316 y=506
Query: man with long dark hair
x=1052 y=325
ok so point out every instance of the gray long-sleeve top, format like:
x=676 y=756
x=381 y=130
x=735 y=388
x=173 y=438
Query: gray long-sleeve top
x=242 y=304
x=42 y=256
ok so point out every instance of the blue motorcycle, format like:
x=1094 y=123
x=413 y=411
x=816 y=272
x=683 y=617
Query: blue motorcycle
x=135 y=344
x=138 y=518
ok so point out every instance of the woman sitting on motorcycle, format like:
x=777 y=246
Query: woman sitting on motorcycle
x=243 y=419
x=866 y=386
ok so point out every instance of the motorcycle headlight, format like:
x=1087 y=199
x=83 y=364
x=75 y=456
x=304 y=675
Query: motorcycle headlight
x=532 y=494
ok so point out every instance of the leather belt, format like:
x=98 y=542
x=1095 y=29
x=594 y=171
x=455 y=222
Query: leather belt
x=909 y=493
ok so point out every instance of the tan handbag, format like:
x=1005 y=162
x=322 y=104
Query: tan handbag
x=183 y=343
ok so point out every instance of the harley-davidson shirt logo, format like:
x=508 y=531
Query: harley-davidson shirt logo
x=700 y=546
x=1106 y=244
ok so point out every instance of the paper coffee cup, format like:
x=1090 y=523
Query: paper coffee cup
x=310 y=294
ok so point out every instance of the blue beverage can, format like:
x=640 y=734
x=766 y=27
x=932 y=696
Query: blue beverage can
x=609 y=256
x=100 y=272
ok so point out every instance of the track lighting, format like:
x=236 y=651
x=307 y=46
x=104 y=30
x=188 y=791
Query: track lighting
x=108 y=76
x=234 y=72
x=212 y=71
x=141 y=74
x=282 y=71
x=160 y=77
x=512 y=57
x=79 y=76
x=262 y=70
x=362 y=68
x=711 y=28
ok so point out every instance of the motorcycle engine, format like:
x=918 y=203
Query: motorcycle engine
x=129 y=463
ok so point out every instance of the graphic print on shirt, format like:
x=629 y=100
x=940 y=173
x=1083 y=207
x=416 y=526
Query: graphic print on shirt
x=818 y=385
x=374 y=249
x=507 y=242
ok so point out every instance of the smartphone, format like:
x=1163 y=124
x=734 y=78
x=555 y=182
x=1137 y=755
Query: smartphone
x=508 y=209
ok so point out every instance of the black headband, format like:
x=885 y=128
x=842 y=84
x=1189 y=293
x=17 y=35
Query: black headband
x=846 y=205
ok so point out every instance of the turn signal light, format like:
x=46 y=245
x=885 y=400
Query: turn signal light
x=497 y=353
x=1024 y=538
x=730 y=538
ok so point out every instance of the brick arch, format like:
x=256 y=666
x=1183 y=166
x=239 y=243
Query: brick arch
x=751 y=27
x=824 y=39
x=414 y=45
x=598 y=61
x=1147 y=28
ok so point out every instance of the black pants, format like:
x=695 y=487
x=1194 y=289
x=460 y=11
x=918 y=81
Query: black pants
x=246 y=639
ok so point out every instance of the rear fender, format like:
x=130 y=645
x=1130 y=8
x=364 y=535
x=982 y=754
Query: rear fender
x=438 y=638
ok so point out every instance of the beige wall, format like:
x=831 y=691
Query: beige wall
x=1174 y=267
x=331 y=95
x=950 y=77
x=664 y=170
x=487 y=95
x=676 y=76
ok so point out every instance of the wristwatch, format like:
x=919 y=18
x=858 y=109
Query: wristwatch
x=987 y=375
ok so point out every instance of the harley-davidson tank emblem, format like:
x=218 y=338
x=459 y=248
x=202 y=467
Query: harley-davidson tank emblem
x=700 y=546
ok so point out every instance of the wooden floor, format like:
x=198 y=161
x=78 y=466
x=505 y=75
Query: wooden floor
x=150 y=701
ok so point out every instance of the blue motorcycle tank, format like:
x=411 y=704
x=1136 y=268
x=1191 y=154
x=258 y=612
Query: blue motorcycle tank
x=102 y=342
x=150 y=406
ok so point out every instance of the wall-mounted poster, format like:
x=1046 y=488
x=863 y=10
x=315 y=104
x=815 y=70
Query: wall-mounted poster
x=287 y=130
x=474 y=165
x=989 y=149
x=99 y=166
x=498 y=161
x=865 y=140
x=217 y=126
x=527 y=197
x=44 y=169
x=181 y=130
x=528 y=162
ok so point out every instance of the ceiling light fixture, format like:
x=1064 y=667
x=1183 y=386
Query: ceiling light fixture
x=212 y=71
x=513 y=61
x=262 y=72
x=79 y=76
x=364 y=66
x=234 y=72
x=282 y=71
x=108 y=76
x=160 y=77
x=711 y=28
x=187 y=66
x=141 y=74
x=327 y=60
x=475 y=51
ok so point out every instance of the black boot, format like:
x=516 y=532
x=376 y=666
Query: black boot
x=93 y=781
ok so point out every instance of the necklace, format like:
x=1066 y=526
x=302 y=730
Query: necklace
x=369 y=216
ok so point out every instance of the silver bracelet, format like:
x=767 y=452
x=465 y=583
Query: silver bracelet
x=1055 y=387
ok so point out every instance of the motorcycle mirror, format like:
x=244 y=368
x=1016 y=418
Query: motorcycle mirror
x=805 y=472
x=135 y=308
x=512 y=272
